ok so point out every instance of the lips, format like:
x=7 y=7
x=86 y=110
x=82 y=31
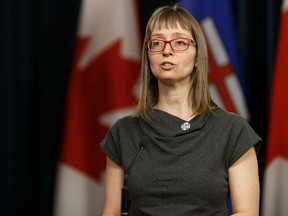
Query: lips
x=167 y=65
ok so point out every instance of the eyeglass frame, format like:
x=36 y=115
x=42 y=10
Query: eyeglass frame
x=169 y=42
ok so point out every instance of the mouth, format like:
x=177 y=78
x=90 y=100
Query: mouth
x=167 y=65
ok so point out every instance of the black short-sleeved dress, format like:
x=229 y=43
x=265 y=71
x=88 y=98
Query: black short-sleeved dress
x=183 y=170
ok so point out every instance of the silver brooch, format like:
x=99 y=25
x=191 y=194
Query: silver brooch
x=185 y=126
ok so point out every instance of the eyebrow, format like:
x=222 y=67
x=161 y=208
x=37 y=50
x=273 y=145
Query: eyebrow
x=174 y=34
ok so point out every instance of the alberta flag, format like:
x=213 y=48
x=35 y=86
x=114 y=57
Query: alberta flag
x=101 y=89
x=226 y=81
x=225 y=76
x=275 y=191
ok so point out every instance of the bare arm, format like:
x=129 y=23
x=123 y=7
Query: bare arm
x=244 y=185
x=114 y=183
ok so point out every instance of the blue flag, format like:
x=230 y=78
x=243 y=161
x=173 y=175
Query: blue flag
x=226 y=80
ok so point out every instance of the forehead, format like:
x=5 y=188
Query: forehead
x=170 y=30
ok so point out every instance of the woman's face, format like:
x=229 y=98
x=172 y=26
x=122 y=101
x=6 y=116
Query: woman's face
x=168 y=66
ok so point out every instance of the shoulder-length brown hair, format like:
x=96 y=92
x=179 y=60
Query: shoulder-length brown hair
x=170 y=16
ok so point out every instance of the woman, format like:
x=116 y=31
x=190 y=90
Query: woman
x=194 y=155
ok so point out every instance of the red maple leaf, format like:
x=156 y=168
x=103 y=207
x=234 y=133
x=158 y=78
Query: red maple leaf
x=105 y=85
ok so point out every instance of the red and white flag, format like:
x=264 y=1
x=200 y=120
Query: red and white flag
x=275 y=191
x=102 y=88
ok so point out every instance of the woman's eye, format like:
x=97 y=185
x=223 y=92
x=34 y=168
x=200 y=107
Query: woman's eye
x=156 y=43
x=180 y=42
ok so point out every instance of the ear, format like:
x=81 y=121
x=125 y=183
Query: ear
x=196 y=63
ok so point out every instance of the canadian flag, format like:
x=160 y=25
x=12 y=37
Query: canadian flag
x=275 y=196
x=102 y=88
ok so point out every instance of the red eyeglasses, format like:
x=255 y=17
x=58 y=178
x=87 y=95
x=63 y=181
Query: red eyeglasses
x=178 y=44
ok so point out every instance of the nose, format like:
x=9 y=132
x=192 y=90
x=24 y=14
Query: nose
x=167 y=49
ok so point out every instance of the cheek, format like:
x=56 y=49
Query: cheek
x=153 y=63
x=189 y=62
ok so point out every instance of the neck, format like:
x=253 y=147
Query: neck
x=175 y=101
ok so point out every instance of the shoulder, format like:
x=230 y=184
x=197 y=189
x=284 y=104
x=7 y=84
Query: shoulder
x=228 y=118
x=126 y=121
x=236 y=132
x=125 y=125
x=230 y=122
